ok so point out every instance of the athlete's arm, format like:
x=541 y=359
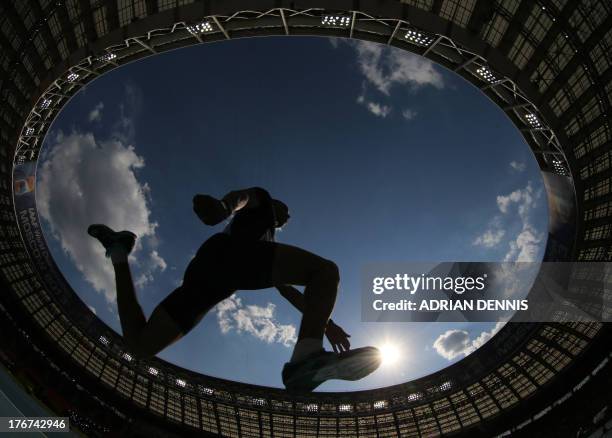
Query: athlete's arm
x=336 y=336
x=212 y=211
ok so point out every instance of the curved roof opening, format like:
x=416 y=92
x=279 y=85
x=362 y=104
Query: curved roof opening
x=380 y=154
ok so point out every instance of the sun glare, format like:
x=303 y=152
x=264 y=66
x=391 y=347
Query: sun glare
x=390 y=354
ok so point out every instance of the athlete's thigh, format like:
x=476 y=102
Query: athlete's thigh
x=293 y=265
x=261 y=264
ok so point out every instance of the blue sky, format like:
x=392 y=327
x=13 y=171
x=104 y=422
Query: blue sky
x=380 y=155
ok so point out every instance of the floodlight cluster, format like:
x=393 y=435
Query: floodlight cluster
x=153 y=371
x=104 y=340
x=258 y=401
x=207 y=391
x=107 y=57
x=414 y=396
x=200 y=28
x=336 y=20
x=486 y=74
x=72 y=77
x=46 y=103
x=181 y=383
x=418 y=38
x=559 y=168
x=381 y=404
x=445 y=386
x=127 y=356
x=312 y=407
x=532 y=119
x=29 y=130
x=345 y=408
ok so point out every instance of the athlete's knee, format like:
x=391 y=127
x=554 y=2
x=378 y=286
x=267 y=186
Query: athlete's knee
x=328 y=270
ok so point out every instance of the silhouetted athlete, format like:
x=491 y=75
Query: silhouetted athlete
x=243 y=257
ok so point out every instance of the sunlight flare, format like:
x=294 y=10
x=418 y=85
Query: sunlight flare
x=390 y=353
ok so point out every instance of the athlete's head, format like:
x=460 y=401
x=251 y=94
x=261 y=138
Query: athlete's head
x=281 y=213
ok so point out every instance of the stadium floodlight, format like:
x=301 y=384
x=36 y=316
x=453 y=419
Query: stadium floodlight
x=181 y=383
x=381 y=404
x=312 y=407
x=445 y=386
x=207 y=391
x=46 y=103
x=336 y=20
x=200 y=28
x=345 y=408
x=559 y=167
x=72 y=77
x=418 y=38
x=414 y=396
x=486 y=74
x=106 y=57
x=532 y=119
x=104 y=340
x=29 y=130
x=258 y=401
x=153 y=371
x=127 y=356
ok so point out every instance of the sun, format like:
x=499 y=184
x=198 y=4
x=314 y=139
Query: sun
x=390 y=354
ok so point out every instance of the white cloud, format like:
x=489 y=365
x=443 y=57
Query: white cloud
x=93 y=309
x=157 y=261
x=520 y=197
x=489 y=238
x=233 y=315
x=378 y=110
x=409 y=114
x=454 y=343
x=124 y=129
x=518 y=166
x=525 y=246
x=85 y=181
x=333 y=41
x=95 y=115
x=385 y=67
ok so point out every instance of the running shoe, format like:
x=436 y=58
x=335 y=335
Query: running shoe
x=111 y=239
x=320 y=366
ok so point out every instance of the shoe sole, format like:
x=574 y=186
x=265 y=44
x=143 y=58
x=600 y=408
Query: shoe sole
x=353 y=368
x=360 y=365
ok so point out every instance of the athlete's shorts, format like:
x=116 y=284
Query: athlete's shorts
x=222 y=265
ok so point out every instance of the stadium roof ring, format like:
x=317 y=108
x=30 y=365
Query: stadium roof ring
x=546 y=64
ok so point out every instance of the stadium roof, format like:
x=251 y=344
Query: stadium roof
x=546 y=64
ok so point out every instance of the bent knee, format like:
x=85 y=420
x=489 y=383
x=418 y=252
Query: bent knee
x=329 y=270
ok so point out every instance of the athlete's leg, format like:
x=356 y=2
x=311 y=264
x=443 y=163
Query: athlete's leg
x=296 y=266
x=310 y=365
x=144 y=338
x=259 y=265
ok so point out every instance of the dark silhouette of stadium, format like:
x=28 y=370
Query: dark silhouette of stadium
x=547 y=64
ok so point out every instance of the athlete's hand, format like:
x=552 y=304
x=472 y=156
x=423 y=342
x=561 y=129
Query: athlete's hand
x=209 y=210
x=337 y=337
